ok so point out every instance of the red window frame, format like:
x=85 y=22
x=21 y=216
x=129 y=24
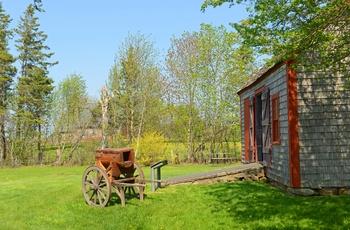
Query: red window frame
x=276 y=129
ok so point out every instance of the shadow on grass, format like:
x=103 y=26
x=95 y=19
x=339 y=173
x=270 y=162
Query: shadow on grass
x=259 y=206
x=115 y=199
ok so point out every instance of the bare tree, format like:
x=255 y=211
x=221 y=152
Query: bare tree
x=104 y=103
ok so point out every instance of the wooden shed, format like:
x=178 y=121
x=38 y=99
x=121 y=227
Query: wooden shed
x=297 y=125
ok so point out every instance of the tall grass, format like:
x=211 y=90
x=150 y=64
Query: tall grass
x=51 y=198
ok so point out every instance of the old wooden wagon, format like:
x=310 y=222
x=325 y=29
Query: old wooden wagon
x=115 y=170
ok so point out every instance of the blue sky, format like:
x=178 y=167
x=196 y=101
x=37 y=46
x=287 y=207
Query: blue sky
x=85 y=34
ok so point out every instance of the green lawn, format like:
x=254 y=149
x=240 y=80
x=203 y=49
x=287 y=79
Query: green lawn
x=51 y=198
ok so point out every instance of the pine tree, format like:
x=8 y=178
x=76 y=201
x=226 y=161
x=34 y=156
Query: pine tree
x=7 y=73
x=34 y=85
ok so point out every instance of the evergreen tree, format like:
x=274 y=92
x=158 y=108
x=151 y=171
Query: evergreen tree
x=7 y=73
x=34 y=85
x=38 y=5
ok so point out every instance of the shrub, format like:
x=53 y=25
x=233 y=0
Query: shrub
x=151 y=148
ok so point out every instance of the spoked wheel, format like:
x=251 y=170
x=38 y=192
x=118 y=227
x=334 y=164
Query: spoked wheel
x=96 y=186
x=137 y=173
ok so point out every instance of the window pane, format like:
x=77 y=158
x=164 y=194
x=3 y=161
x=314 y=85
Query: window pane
x=275 y=118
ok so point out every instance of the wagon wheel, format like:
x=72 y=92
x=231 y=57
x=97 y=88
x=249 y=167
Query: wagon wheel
x=138 y=173
x=96 y=186
x=139 y=179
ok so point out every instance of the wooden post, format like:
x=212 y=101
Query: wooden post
x=104 y=103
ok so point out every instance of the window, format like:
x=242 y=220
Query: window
x=276 y=139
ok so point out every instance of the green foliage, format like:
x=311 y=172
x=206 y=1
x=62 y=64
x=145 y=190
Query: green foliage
x=35 y=90
x=30 y=44
x=239 y=205
x=214 y=3
x=304 y=30
x=135 y=88
x=194 y=102
x=151 y=148
x=83 y=155
x=70 y=102
x=72 y=115
x=34 y=87
x=205 y=70
x=7 y=73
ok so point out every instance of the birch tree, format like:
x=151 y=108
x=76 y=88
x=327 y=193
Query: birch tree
x=224 y=67
x=205 y=69
x=135 y=87
x=105 y=116
x=71 y=114
x=182 y=64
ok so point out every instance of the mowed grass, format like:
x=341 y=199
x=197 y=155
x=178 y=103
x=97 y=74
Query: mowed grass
x=51 y=198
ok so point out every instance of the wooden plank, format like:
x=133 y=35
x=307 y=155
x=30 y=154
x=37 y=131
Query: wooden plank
x=148 y=180
x=120 y=184
x=225 y=158
x=293 y=131
x=125 y=179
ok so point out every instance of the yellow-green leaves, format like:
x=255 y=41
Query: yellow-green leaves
x=281 y=28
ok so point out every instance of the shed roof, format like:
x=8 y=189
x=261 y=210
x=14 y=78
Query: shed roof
x=259 y=75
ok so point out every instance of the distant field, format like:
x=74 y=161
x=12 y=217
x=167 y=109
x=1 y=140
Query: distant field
x=85 y=154
x=51 y=198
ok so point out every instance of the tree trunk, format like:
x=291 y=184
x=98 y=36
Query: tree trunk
x=140 y=127
x=104 y=103
x=2 y=141
x=189 y=139
x=58 y=161
x=76 y=145
x=132 y=125
x=40 y=153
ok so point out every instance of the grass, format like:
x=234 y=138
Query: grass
x=172 y=170
x=51 y=198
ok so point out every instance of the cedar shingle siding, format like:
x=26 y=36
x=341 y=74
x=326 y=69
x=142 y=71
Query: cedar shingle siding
x=324 y=131
x=276 y=82
x=324 y=128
